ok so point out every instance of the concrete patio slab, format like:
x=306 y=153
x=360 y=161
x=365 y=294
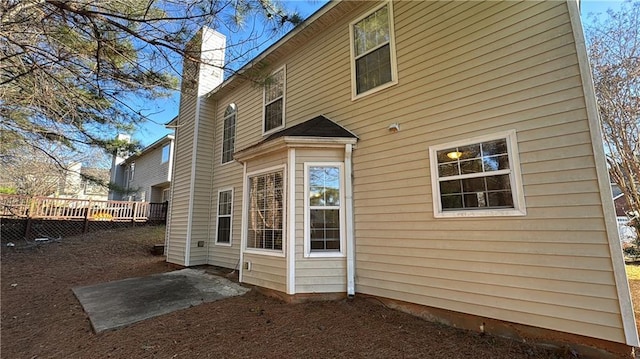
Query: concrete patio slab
x=117 y=304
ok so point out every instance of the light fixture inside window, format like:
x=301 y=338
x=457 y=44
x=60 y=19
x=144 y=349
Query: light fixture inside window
x=454 y=155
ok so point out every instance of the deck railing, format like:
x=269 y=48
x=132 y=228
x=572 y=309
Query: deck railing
x=17 y=206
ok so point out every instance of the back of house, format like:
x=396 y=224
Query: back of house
x=444 y=157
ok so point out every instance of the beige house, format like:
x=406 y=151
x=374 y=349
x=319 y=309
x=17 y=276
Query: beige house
x=444 y=157
x=146 y=175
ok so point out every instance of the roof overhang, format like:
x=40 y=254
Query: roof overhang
x=282 y=143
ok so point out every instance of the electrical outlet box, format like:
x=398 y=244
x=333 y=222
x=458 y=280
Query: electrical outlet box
x=247 y=266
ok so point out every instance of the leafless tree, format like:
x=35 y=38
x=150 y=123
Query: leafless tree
x=614 y=52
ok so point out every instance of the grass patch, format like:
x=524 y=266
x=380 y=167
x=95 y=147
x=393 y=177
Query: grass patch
x=633 y=272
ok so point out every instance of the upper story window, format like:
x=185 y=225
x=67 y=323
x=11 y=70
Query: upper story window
x=477 y=177
x=274 y=95
x=229 y=133
x=373 y=51
x=165 y=153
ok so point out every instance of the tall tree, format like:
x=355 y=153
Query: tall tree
x=69 y=69
x=613 y=43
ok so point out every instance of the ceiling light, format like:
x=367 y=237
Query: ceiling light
x=454 y=155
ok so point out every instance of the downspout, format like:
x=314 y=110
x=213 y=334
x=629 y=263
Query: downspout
x=348 y=179
x=291 y=224
x=244 y=221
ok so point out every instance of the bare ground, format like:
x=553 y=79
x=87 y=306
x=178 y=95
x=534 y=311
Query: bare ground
x=41 y=318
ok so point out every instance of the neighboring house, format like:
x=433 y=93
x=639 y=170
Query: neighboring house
x=444 y=157
x=146 y=175
x=627 y=233
x=75 y=183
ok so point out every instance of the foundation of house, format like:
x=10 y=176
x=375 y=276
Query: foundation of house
x=579 y=346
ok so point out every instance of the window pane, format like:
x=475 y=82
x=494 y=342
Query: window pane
x=229 y=133
x=265 y=211
x=325 y=228
x=324 y=186
x=470 y=151
x=273 y=115
x=451 y=202
x=448 y=169
x=501 y=199
x=473 y=185
x=471 y=166
x=447 y=187
x=274 y=87
x=373 y=69
x=477 y=199
x=496 y=147
x=476 y=186
x=224 y=229
x=498 y=182
x=448 y=155
x=371 y=31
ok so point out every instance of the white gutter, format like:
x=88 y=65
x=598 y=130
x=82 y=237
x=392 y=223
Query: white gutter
x=348 y=191
x=291 y=237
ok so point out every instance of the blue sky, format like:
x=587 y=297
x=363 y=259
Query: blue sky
x=166 y=109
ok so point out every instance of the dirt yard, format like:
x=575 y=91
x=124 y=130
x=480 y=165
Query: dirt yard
x=41 y=318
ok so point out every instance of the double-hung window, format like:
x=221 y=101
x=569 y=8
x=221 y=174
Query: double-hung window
x=225 y=209
x=274 y=92
x=265 y=211
x=477 y=177
x=229 y=133
x=323 y=209
x=373 y=51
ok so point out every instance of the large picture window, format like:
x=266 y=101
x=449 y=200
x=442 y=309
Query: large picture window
x=477 y=177
x=265 y=211
x=373 y=51
x=274 y=91
x=225 y=209
x=324 y=209
x=229 y=133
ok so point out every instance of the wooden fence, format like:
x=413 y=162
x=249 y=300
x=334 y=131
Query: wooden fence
x=71 y=208
x=29 y=217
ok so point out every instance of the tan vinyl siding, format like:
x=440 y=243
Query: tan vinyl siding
x=266 y=271
x=181 y=184
x=465 y=69
x=203 y=196
x=315 y=275
x=479 y=85
x=226 y=176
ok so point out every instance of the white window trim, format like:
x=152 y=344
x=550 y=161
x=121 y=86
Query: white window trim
x=307 y=220
x=392 y=52
x=284 y=102
x=234 y=133
x=515 y=177
x=245 y=229
x=230 y=218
